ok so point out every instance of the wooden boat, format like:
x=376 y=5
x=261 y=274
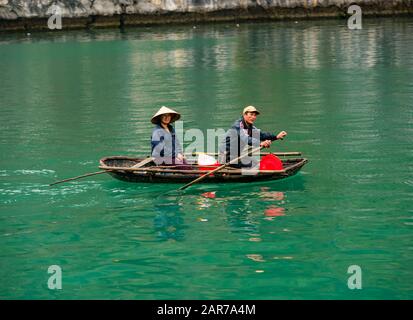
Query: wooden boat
x=120 y=167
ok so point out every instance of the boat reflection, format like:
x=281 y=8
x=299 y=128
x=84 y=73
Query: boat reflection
x=245 y=212
x=273 y=211
x=169 y=222
x=249 y=211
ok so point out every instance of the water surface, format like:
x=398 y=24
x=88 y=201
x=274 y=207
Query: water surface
x=345 y=98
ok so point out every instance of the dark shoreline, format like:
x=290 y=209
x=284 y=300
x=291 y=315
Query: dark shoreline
x=251 y=14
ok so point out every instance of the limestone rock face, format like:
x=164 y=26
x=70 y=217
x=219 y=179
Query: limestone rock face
x=13 y=9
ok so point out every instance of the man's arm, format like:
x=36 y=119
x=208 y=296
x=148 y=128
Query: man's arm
x=267 y=136
x=272 y=137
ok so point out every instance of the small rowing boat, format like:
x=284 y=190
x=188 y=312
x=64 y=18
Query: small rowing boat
x=121 y=167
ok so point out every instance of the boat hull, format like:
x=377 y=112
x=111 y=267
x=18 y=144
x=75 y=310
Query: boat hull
x=120 y=168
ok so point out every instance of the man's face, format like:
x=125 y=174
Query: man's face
x=250 y=117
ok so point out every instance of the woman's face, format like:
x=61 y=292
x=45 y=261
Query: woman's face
x=166 y=118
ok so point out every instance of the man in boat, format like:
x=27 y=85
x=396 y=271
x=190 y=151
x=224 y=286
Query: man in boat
x=243 y=136
x=166 y=148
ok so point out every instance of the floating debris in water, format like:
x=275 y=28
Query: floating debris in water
x=210 y=195
x=259 y=271
x=256 y=257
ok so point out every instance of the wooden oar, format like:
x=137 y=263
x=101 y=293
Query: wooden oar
x=78 y=177
x=263 y=153
x=143 y=162
x=219 y=168
x=138 y=165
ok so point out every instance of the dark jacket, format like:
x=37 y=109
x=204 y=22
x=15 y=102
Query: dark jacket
x=239 y=137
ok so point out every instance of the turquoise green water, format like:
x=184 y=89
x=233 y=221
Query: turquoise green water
x=345 y=98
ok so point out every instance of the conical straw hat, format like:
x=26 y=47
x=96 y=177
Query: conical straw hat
x=165 y=110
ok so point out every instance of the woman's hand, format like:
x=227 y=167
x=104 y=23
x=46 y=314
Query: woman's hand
x=281 y=135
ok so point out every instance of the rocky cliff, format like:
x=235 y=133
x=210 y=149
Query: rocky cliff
x=26 y=14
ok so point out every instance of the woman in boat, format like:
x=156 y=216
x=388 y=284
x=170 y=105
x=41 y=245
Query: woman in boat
x=166 y=148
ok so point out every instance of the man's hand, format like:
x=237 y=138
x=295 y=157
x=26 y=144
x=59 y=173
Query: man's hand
x=265 y=144
x=281 y=135
x=180 y=157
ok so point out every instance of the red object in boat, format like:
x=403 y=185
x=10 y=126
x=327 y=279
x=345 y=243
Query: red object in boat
x=271 y=162
x=210 y=167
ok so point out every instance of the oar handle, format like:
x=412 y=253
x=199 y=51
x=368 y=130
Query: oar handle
x=219 y=168
x=138 y=165
x=82 y=176
x=262 y=153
